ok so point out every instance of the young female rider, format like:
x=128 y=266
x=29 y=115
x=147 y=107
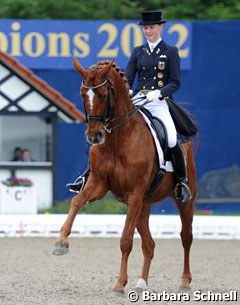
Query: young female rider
x=157 y=67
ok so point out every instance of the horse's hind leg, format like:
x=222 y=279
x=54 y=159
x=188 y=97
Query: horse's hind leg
x=186 y=214
x=148 y=245
x=91 y=192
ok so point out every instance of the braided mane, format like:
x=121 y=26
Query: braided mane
x=98 y=66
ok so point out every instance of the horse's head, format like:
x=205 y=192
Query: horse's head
x=96 y=94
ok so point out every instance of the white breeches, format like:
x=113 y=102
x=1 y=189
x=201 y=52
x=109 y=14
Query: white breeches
x=159 y=109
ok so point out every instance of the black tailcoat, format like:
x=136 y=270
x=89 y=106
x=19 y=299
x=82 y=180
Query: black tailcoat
x=157 y=70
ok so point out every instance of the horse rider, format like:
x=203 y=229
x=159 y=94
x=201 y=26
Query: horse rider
x=157 y=67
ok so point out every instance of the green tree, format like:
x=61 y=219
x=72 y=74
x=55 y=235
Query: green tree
x=71 y=9
x=119 y=9
x=195 y=9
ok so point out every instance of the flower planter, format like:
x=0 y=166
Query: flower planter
x=18 y=200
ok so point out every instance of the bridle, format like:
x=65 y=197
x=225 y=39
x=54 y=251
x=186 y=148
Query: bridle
x=106 y=118
x=98 y=118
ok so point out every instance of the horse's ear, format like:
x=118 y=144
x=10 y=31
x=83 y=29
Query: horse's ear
x=106 y=69
x=79 y=68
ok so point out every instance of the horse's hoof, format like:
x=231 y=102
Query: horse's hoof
x=141 y=286
x=118 y=291
x=185 y=286
x=61 y=248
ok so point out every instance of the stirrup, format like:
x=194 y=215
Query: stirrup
x=78 y=185
x=188 y=191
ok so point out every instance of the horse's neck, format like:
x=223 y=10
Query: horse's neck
x=123 y=103
x=121 y=108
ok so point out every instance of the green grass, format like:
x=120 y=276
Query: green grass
x=108 y=205
x=200 y=213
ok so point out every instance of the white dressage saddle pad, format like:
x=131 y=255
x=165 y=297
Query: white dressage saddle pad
x=162 y=164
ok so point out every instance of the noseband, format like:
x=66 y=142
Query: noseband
x=99 y=118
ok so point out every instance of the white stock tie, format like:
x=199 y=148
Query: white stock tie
x=151 y=47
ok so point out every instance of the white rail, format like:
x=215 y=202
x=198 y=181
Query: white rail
x=162 y=226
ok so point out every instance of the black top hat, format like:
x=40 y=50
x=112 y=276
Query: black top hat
x=151 y=17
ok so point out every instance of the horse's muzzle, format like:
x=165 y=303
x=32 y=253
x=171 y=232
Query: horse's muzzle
x=97 y=138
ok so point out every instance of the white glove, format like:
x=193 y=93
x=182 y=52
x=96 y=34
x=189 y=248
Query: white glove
x=130 y=91
x=152 y=95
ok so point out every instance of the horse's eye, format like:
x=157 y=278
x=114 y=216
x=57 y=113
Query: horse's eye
x=103 y=96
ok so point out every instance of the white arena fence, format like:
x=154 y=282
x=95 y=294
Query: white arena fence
x=162 y=226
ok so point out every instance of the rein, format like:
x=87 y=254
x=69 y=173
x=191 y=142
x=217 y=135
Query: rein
x=127 y=116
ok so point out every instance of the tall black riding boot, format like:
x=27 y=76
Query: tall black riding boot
x=182 y=190
x=78 y=185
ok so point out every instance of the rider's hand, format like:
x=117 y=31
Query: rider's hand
x=152 y=95
x=130 y=91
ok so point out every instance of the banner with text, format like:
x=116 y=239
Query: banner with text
x=45 y=44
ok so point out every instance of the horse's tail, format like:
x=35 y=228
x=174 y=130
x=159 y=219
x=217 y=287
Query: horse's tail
x=195 y=143
x=190 y=151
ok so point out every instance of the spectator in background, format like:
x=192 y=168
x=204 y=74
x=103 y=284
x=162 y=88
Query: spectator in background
x=26 y=155
x=17 y=154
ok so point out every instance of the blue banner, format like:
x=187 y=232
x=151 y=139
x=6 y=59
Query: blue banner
x=41 y=44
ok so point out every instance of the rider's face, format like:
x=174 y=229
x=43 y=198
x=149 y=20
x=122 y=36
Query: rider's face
x=152 y=32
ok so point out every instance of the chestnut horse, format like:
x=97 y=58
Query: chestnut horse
x=123 y=160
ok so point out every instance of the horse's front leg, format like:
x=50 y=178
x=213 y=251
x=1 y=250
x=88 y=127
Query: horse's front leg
x=92 y=191
x=148 y=246
x=133 y=211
